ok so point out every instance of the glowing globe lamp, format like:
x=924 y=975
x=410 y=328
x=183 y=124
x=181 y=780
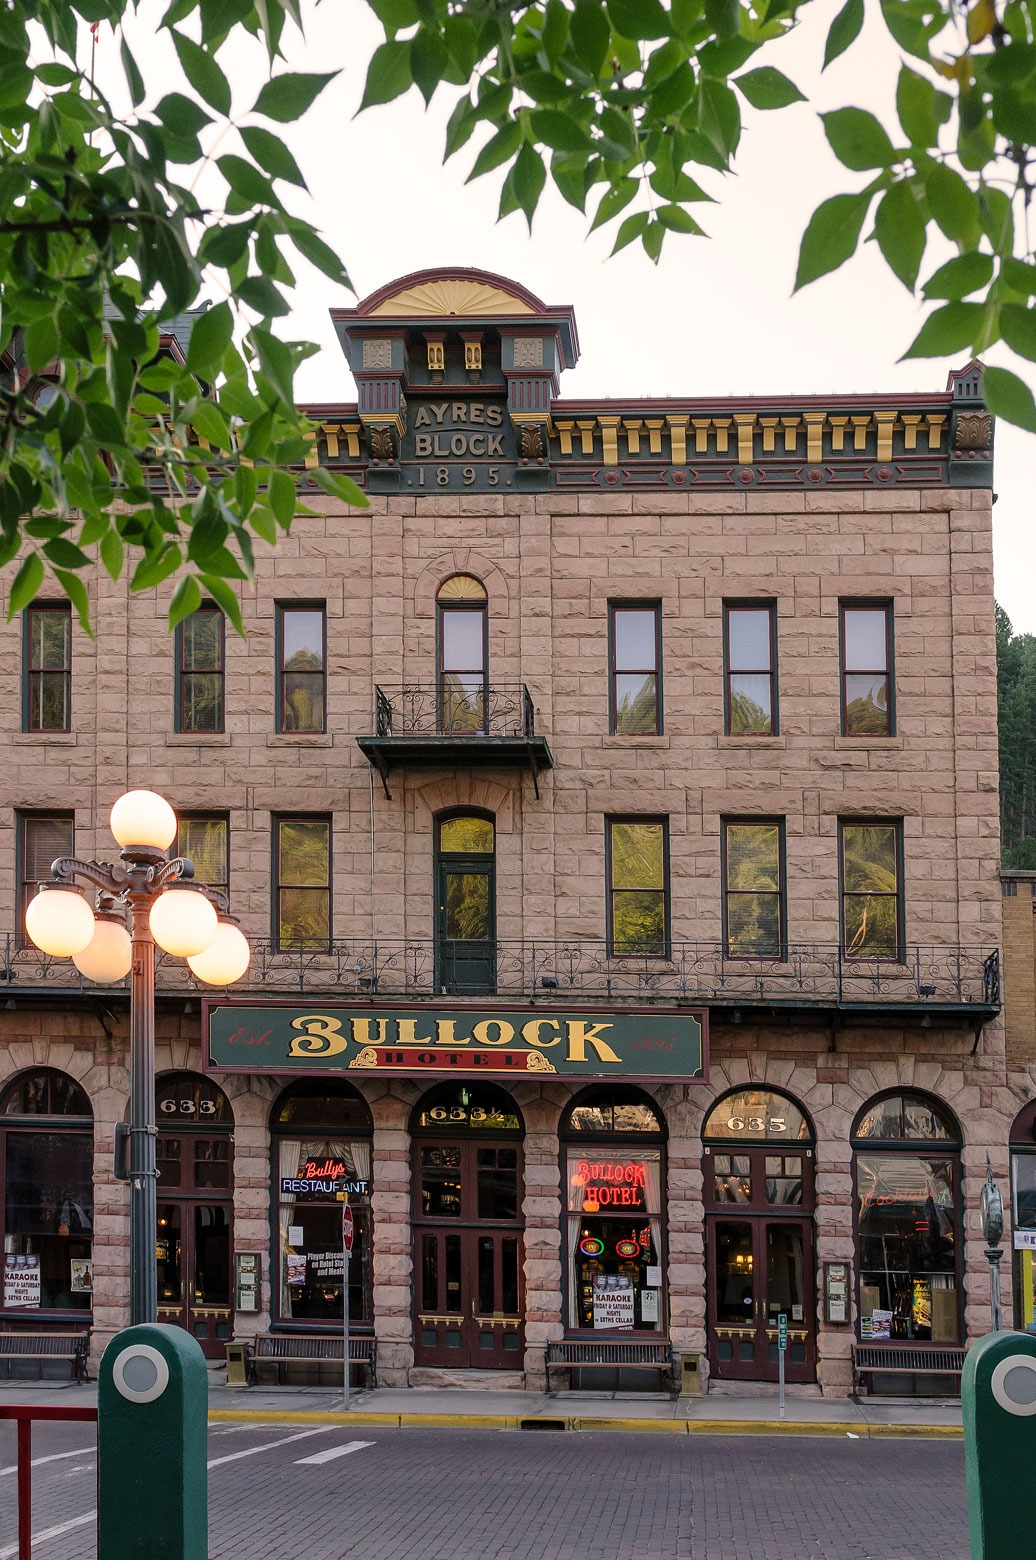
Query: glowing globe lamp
x=143 y=818
x=225 y=959
x=182 y=921
x=59 y=921
x=108 y=955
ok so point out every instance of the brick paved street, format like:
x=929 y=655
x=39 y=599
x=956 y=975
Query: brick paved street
x=498 y=1495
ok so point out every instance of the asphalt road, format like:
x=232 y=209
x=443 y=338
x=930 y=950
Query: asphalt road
x=300 y=1492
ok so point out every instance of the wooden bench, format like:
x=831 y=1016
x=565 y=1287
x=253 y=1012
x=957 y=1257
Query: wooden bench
x=902 y=1359
x=43 y=1346
x=574 y=1354
x=282 y=1349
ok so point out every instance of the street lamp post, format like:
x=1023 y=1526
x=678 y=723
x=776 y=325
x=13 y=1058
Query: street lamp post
x=992 y=1209
x=155 y=895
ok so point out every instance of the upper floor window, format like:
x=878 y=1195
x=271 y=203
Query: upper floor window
x=200 y=685
x=753 y=889
x=204 y=838
x=867 y=688
x=47 y=691
x=302 y=882
x=750 y=645
x=635 y=653
x=638 y=886
x=302 y=668
x=42 y=838
x=463 y=654
x=872 y=907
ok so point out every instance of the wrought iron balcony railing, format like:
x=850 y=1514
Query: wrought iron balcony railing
x=811 y=976
x=458 y=706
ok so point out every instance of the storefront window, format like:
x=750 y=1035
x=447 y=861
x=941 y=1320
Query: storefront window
x=1023 y=1217
x=46 y=1151
x=320 y=1162
x=615 y=1248
x=907 y=1221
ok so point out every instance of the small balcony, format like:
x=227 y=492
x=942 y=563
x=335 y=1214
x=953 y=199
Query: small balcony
x=459 y=721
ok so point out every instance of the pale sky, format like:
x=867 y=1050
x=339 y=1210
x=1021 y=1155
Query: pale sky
x=715 y=316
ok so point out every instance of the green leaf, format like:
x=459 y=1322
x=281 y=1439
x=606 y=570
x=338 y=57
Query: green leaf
x=1009 y=397
x=134 y=80
x=459 y=127
x=203 y=73
x=634 y=227
x=768 y=88
x=112 y=553
x=678 y=220
x=555 y=30
x=724 y=17
x=1014 y=115
x=224 y=597
x=901 y=232
x=286 y=98
x=245 y=180
x=1019 y=276
x=186 y=599
x=953 y=328
x=210 y=338
x=958 y=277
x=953 y=204
x=75 y=590
x=41 y=342
x=844 y=30
x=499 y=148
x=156 y=566
x=281 y=498
x=26 y=586
x=210 y=423
x=590 y=34
x=340 y=486
x=65 y=554
x=428 y=60
x=613 y=201
x=857 y=139
x=529 y=178
x=313 y=247
x=1018 y=328
x=638 y=18
x=831 y=236
x=921 y=109
x=182 y=114
x=388 y=74
x=271 y=153
x=558 y=131
x=913 y=24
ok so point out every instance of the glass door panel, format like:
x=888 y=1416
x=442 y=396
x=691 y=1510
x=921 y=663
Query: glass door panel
x=735 y=1302
x=466 y=922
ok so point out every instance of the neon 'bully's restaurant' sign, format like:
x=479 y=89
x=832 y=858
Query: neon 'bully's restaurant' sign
x=331 y=1037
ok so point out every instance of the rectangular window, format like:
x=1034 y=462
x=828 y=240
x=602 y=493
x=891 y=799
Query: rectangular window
x=302 y=859
x=200 y=650
x=48 y=1220
x=42 y=838
x=302 y=668
x=313 y=1177
x=205 y=838
x=615 y=1238
x=48 y=667
x=872 y=911
x=638 y=882
x=907 y=1248
x=750 y=651
x=867 y=692
x=635 y=651
x=753 y=889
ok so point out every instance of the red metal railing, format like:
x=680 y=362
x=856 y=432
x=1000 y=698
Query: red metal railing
x=25 y=1414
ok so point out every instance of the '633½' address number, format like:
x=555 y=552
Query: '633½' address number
x=444 y=476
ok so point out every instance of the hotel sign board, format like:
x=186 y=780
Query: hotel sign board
x=483 y=1042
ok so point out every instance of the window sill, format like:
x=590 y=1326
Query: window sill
x=634 y=740
x=197 y=739
x=300 y=739
x=41 y=738
x=844 y=744
x=747 y=741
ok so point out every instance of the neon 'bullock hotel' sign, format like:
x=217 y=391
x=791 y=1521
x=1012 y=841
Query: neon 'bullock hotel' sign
x=331 y=1037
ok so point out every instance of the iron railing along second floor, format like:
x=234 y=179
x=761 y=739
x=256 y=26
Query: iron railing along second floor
x=456 y=706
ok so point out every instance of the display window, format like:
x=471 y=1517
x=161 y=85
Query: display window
x=907 y=1174
x=613 y=1213
x=1023 y=1217
x=321 y=1161
x=46 y=1162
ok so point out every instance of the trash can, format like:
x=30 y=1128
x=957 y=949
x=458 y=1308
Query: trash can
x=237 y=1365
x=690 y=1375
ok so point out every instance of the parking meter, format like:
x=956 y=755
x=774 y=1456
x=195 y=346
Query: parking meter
x=152 y=1425
x=998 y=1394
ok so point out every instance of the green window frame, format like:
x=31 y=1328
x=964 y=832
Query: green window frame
x=201 y=671
x=41 y=839
x=205 y=838
x=637 y=864
x=302 y=882
x=866 y=658
x=750 y=669
x=635 y=668
x=754 y=909
x=47 y=667
x=302 y=666
x=870 y=860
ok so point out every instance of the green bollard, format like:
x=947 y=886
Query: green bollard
x=998 y=1395
x=152 y=1448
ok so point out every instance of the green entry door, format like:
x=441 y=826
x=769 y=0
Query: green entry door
x=465 y=882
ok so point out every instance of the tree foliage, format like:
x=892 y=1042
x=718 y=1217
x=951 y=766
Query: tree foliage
x=1016 y=704
x=624 y=104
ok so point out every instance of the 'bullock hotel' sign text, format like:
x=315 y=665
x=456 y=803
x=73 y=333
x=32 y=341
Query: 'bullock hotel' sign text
x=482 y=1042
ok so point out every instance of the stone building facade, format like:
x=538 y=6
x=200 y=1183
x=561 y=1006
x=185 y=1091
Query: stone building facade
x=673 y=715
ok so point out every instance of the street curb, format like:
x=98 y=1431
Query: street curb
x=404 y=1421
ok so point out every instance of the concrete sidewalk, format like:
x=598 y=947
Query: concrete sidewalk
x=715 y=1414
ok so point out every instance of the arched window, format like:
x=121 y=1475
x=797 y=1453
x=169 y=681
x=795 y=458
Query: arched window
x=466 y=1107
x=1023 y=1216
x=321 y=1151
x=46 y=1149
x=757 y=1116
x=463 y=654
x=613 y=1140
x=906 y=1168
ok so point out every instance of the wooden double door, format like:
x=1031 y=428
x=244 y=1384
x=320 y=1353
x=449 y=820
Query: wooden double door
x=468 y=1289
x=195 y=1225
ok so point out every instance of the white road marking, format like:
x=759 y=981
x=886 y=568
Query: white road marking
x=331 y=1453
x=267 y=1446
x=54 y=1532
x=80 y=1451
